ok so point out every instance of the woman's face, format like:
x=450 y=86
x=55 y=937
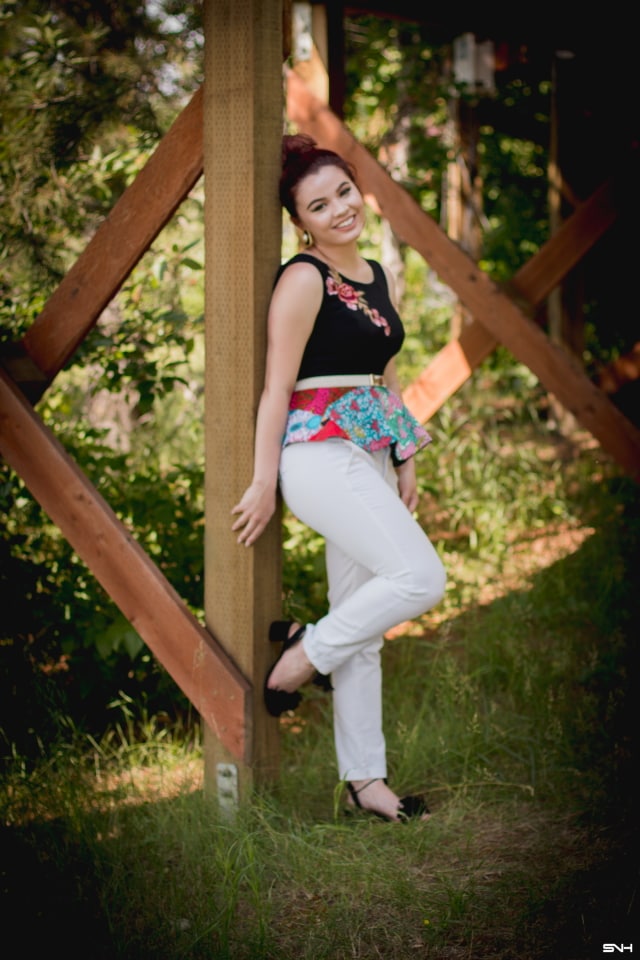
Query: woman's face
x=329 y=206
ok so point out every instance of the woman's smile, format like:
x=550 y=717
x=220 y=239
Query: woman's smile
x=346 y=224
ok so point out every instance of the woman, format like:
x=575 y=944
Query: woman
x=331 y=428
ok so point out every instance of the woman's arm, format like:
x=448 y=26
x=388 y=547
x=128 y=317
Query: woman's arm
x=294 y=306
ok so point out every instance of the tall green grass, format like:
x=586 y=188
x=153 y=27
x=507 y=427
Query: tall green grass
x=512 y=706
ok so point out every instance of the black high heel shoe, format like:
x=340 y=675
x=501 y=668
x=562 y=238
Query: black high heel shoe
x=278 y=701
x=412 y=806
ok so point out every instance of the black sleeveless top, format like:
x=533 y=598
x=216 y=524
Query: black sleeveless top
x=357 y=329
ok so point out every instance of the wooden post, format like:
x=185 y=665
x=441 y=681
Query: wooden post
x=243 y=125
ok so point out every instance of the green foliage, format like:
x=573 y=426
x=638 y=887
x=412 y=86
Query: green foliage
x=401 y=102
x=86 y=91
x=515 y=192
x=138 y=376
x=489 y=479
x=396 y=96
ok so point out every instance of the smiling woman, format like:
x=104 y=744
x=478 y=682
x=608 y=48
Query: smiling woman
x=333 y=432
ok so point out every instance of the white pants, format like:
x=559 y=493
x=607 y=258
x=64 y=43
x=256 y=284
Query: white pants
x=382 y=569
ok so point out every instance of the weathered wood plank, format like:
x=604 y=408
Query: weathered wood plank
x=490 y=305
x=119 y=243
x=197 y=663
x=243 y=225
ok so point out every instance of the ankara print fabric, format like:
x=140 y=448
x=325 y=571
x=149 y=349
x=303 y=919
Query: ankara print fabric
x=371 y=417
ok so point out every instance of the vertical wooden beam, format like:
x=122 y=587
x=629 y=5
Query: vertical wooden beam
x=243 y=124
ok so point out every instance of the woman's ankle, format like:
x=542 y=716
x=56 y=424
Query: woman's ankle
x=293 y=669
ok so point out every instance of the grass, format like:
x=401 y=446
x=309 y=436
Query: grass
x=512 y=705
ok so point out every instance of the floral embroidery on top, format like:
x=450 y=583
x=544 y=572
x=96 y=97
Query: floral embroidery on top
x=354 y=299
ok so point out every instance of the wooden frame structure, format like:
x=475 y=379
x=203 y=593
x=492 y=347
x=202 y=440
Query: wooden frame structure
x=220 y=667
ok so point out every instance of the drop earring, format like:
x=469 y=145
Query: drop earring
x=307 y=239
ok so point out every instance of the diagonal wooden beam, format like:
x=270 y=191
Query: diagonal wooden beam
x=456 y=361
x=485 y=300
x=574 y=238
x=194 y=659
x=118 y=244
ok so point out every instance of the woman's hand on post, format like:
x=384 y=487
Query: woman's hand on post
x=254 y=511
x=408 y=484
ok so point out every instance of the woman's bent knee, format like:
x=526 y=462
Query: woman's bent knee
x=425 y=586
